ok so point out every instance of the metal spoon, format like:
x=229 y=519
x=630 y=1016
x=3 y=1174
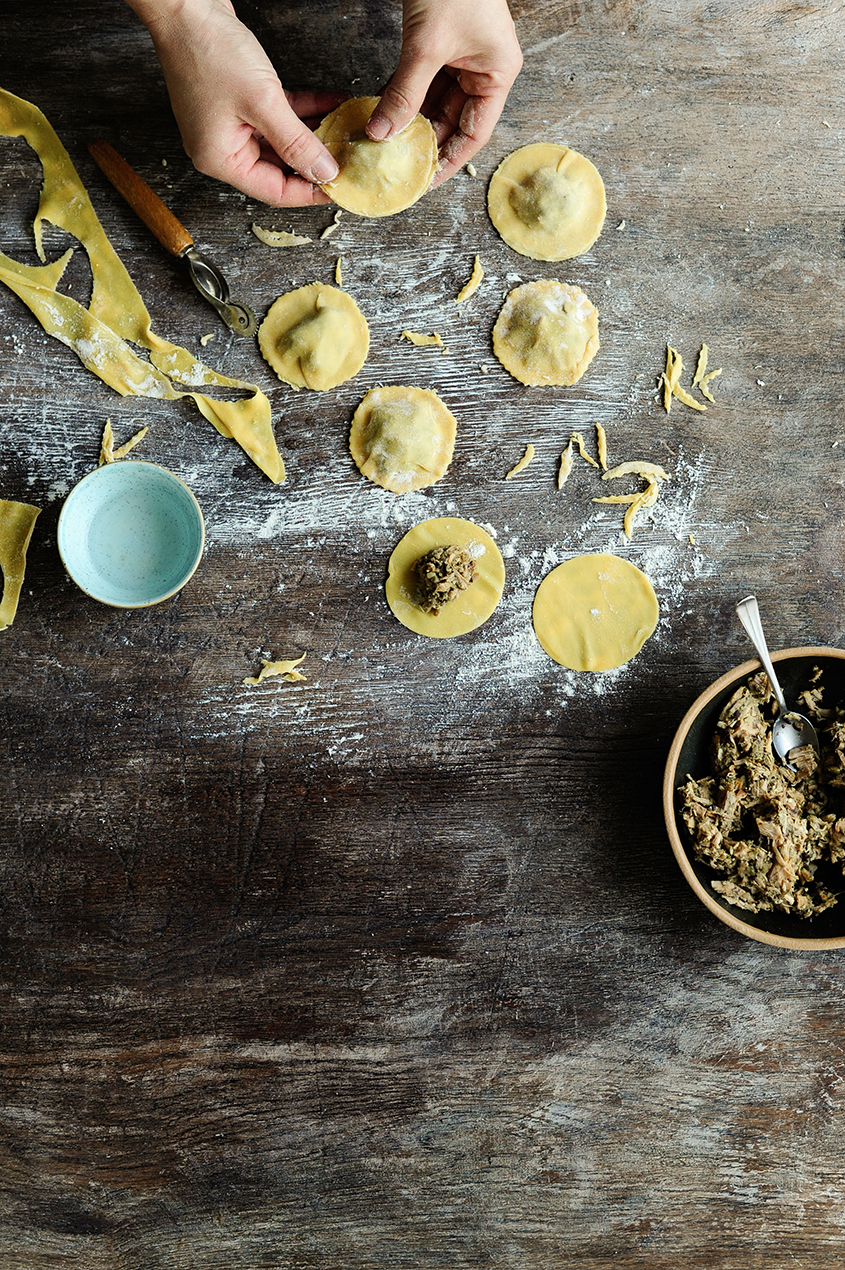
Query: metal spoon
x=173 y=235
x=790 y=729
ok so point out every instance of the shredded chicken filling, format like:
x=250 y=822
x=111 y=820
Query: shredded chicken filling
x=442 y=574
x=764 y=827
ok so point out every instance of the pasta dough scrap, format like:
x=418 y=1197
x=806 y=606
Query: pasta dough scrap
x=566 y=460
x=547 y=332
x=654 y=476
x=108 y=454
x=279 y=237
x=473 y=282
x=527 y=456
x=547 y=202
x=402 y=438
x=422 y=341
x=594 y=612
x=17 y=521
x=284 y=669
x=377 y=178
x=116 y=316
x=315 y=337
x=468 y=610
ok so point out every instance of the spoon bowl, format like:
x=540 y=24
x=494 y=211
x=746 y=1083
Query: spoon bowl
x=790 y=730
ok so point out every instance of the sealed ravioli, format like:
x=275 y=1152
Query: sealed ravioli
x=547 y=202
x=377 y=178
x=547 y=332
x=315 y=337
x=469 y=606
x=402 y=438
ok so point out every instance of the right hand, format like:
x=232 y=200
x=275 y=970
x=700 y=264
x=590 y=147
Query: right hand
x=237 y=122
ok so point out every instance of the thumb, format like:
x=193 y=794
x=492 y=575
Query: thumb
x=402 y=98
x=297 y=146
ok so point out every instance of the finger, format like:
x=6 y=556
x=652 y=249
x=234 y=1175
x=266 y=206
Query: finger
x=267 y=183
x=401 y=99
x=257 y=171
x=477 y=119
x=294 y=143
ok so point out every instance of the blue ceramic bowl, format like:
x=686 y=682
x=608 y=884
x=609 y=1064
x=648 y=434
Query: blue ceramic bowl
x=131 y=534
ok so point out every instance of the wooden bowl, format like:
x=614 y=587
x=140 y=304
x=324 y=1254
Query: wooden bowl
x=690 y=754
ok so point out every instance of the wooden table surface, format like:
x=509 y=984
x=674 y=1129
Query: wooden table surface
x=394 y=967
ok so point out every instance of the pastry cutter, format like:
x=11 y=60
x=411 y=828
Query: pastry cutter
x=173 y=235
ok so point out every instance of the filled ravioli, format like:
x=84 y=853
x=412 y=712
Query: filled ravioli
x=547 y=201
x=547 y=332
x=315 y=337
x=377 y=178
x=402 y=438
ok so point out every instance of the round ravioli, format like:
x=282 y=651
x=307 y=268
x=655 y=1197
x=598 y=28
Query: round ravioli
x=469 y=609
x=547 y=202
x=594 y=612
x=402 y=438
x=547 y=332
x=315 y=337
x=377 y=178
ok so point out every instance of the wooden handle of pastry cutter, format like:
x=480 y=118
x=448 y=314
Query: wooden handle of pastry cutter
x=169 y=231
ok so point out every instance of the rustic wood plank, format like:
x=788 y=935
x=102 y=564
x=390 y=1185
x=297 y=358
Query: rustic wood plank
x=393 y=967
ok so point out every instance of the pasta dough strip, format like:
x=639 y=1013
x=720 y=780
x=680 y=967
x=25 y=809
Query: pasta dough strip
x=116 y=315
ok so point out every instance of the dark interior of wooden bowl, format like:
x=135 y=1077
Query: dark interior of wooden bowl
x=694 y=759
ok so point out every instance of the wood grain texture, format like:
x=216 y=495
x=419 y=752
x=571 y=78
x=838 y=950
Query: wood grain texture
x=394 y=967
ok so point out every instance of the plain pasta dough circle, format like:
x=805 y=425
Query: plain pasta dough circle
x=547 y=202
x=466 y=611
x=402 y=438
x=315 y=337
x=377 y=178
x=594 y=612
x=547 y=332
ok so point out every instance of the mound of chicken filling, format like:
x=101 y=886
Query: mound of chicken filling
x=442 y=574
x=765 y=827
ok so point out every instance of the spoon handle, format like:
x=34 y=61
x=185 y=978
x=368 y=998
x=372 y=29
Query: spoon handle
x=749 y=614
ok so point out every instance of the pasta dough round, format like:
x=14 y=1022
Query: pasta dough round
x=402 y=438
x=466 y=611
x=377 y=178
x=547 y=202
x=315 y=337
x=594 y=612
x=547 y=332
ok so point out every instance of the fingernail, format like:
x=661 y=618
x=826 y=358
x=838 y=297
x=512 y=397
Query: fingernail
x=378 y=128
x=324 y=169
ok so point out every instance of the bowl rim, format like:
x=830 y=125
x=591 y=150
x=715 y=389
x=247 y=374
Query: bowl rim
x=97 y=473
x=736 y=923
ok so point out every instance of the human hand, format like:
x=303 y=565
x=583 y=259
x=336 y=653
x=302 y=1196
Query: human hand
x=459 y=60
x=237 y=122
